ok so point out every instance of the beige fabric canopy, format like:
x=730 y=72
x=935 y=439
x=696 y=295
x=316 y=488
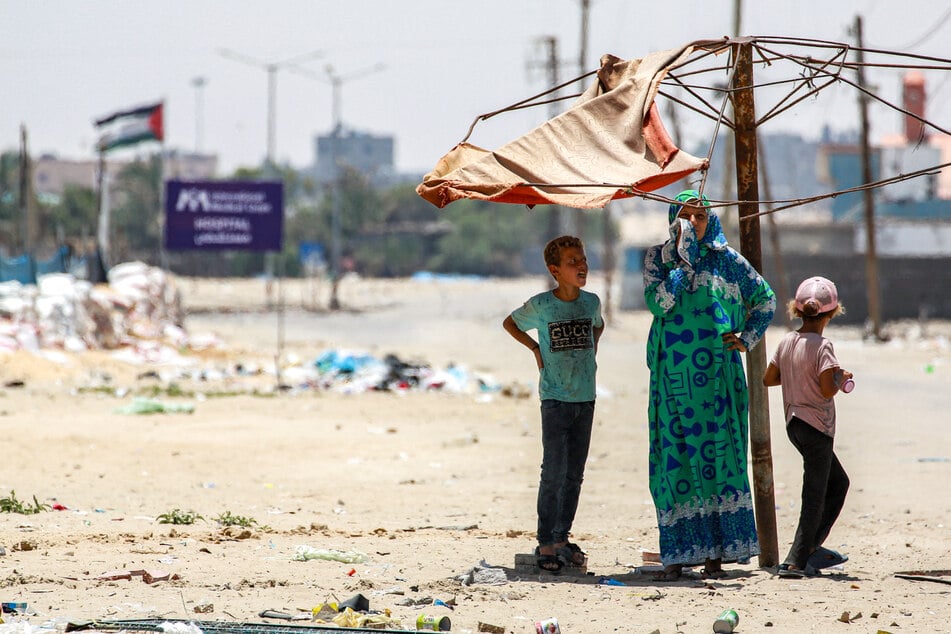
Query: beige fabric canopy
x=610 y=142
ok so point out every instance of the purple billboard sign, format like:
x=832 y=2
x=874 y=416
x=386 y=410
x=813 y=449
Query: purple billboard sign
x=236 y=215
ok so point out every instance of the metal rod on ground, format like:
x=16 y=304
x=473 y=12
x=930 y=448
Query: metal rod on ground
x=747 y=189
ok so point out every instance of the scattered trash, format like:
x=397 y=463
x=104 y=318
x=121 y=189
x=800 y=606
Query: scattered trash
x=484 y=576
x=305 y=553
x=433 y=623
x=726 y=622
x=353 y=371
x=204 y=607
x=440 y=602
x=357 y=602
x=650 y=557
x=491 y=629
x=608 y=581
x=148 y=576
x=937 y=576
x=848 y=618
x=324 y=611
x=151 y=406
x=275 y=614
x=350 y=618
x=548 y=626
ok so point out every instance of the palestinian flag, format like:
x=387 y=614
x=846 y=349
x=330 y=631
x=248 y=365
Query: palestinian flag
x=131 y=126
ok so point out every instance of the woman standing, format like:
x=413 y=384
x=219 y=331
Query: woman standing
x=709 y=305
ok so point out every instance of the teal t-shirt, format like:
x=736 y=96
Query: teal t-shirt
x=566 y=338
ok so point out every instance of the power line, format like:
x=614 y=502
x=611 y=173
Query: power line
x=927 y=34
x=271 y=68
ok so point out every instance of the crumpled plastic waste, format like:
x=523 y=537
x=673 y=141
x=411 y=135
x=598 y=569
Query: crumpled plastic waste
x=351 y=371
x=484 y=576
x=151 y=406
x=349 y=618
x=305 y=553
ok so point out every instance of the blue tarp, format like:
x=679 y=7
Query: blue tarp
x=25 y=269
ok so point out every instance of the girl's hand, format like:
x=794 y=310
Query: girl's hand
x=841 y=376
x=732 y=342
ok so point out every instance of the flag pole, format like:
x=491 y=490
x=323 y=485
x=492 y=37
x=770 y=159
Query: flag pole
x=102 y=232
x=163 y=254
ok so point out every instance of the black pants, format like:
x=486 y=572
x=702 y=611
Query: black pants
x=566 y=436
x=824 y=485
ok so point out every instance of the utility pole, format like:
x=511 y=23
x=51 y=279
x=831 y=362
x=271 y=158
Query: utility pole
x=26 y=194
x=609 y=258
x=781 y=285
x=271 y=68
x=336 y=82
x=583 y=52
x=199 y=84
x=871 y=259
x=558 y=220
x=729 y=161
x=270 y=166
x=747 y=189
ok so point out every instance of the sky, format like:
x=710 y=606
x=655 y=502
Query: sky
x=420 y=70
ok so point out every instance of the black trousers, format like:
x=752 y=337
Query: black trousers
x=566 y=437
x=824 y=486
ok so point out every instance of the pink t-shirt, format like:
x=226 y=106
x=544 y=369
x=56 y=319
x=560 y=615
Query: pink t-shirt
x=801 y=358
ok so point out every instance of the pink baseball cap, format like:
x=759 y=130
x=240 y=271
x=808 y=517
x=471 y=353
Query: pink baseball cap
x=818 y=293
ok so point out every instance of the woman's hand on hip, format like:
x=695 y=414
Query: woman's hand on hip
x=733 y=342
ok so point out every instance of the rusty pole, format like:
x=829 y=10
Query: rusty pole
x=747 y=189
x=868 y=201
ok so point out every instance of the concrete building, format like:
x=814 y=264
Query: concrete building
x=369 y=154
x=52 y=174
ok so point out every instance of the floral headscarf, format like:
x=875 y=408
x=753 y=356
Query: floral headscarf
x=713 y=237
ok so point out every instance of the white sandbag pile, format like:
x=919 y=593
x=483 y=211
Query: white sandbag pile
x=61 y=311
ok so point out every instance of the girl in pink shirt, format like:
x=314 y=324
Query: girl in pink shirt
x=805 y=365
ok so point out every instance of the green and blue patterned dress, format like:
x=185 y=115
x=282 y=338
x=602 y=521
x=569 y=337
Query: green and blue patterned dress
x=699 y=404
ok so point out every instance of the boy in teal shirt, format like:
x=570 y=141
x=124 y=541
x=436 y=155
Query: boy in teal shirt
x=569 y=324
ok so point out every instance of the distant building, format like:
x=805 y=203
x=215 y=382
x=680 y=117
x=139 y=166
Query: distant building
x=51 y=174
x=369 y=154
x=918 y=199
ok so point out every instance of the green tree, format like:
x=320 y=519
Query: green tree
x=9 y=198
x=404 y=234
x=488 y=239
x=136 y=215
x=75 y=213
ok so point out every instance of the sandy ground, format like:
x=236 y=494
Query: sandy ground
x=428 y=485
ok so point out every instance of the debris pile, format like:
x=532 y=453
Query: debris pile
x=62 y=311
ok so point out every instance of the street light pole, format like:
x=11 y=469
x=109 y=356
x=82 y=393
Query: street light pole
x=336 y=82
x=199 y=84
x=271 y=68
